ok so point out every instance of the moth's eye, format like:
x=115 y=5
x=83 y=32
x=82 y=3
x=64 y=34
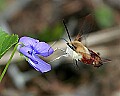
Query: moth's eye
x=71 y=46
x=74 y=46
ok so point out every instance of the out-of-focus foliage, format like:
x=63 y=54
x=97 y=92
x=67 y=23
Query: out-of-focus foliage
x=2 y=4
x=104 y=16
x=50 y=33
x=6 y=42
x=5 y=3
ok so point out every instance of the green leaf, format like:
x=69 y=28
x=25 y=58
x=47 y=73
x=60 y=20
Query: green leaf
x=50 y=33
x=6 y=42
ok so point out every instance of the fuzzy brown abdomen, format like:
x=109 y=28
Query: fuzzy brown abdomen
x=93 y=59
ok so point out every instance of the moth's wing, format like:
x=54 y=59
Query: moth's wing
x=104 y=60
x=78 y=38
x=94 y=53
x=86 y=27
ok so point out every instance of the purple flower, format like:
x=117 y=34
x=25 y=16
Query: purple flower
x=32 y=49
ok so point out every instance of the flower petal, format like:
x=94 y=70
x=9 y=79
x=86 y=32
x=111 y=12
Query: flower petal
x=27 y=41
x=43 y=49
x=39 y=64
x=26 y=51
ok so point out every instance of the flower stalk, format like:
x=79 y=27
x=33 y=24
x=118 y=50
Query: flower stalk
x=8 y=63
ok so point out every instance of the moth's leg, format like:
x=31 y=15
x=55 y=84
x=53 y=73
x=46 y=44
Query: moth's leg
x=76 y=63
x=98 y=53
x=52 y=46
x=57 y=48
x=60 y=50
x=65 y=55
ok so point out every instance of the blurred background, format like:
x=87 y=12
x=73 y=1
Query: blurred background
x=99 y=23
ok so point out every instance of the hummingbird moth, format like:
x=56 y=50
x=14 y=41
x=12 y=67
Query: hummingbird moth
x=81 y=53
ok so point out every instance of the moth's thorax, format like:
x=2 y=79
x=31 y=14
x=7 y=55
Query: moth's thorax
x=80 y=47
x=73 y=54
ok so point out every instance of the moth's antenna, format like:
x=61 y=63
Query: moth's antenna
x=67 y=30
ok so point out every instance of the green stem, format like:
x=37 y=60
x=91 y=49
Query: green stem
x=8 y=63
